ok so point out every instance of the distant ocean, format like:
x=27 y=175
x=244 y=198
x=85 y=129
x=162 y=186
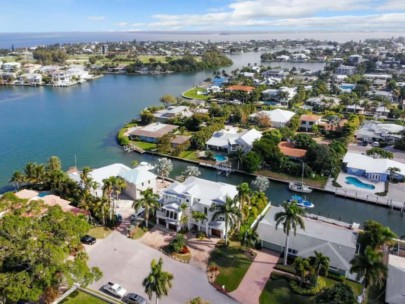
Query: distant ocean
x=35 y=39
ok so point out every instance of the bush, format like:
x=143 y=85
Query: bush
x=337 y=277
x=178 y=243
x=296 y=288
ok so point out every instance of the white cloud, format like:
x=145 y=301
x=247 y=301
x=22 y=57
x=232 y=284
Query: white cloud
x=122 y=24
x=96 y=18
x=393 y=5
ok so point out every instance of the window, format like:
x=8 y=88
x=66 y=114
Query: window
x=292 y=251
x=143 y=184
x=175 y=216
x=205 y=210
x=148 y=181
x=311 y=123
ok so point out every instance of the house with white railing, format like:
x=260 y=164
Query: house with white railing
x=197 y=195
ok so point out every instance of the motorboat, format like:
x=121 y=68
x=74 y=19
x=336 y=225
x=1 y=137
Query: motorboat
x=301 y=202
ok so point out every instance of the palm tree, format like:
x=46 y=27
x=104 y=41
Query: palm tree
x=244 y=197
x=158 y=282
x=17 y=179
x=370 y=267
x=85 y=178
x=239 y=154
x=290 y=218
x=135 y=163
x=54 y=164
x=149 y=202
x=320 y=263
x=230 y=211
x=108 y=190
x=249 y=238
x=392 y=171
x=301 y=266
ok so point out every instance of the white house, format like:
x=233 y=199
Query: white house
x=231 y=139
x=278 y=118
x=345 y=70
x=11 y=66
x=172 y=112
x=371 y=131
x=337 y=242
x=199 y=195
x=395 y=289
x=137 y=179
x=308 y=121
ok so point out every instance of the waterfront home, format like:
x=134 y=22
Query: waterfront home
x=372 y=131
x=30 y=79
x=308 y=121
x=219 y=81
x=239 y=88
x=288 y=149
x=179 y=140
x=345 y=70
x=137 y=179
x=278 y=118
x=11 y=66
x=152 y=132
x=337 y=242
x=172 y=112
x=232 y=139
x=374 y=169
x=394 y=292
x=199 y=195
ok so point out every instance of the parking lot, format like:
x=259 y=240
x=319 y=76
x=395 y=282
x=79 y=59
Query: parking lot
x=127 y=262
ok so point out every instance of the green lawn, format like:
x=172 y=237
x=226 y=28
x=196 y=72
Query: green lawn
x=278 y=292
x=232 y=265
x=139 y=232
x=80 y=297
x=192 y=93
x=318 y=181
x=99 y=232
x=144 y=145
x=191 y=155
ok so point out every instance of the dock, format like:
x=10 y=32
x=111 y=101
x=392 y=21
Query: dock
x=133 y=148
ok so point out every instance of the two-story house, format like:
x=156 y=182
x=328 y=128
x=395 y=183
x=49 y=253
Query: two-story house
x=308 y=121
x=197 y=195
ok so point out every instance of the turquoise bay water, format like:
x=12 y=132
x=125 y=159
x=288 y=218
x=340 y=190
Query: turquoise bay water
x=36 y=123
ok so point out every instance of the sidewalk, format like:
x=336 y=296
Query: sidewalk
x=256 y=277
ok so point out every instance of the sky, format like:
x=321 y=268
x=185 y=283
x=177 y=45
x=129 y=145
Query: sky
x=201 y=15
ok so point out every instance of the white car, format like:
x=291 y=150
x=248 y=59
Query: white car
x=376 y=144
x=115 y=289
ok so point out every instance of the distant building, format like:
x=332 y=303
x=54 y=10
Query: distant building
x=308 y=121
x=11 y=66
x=104 y=49
x=355 y=59
x=172 y=112
x=152 y=132
x=240 y=88
x=371 y=131
x=345 y=70
x=278 y=118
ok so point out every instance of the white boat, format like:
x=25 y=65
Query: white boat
x=301 y=202
x=300 y=186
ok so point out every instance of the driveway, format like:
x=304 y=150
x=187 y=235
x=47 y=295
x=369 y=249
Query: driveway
x=127 y=262
x=399 y=155
x=159 y=236
x=255 y=279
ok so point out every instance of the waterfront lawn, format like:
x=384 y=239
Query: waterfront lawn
x=318 y=181
x=277 y=291
x=191 y=155
x=99 y=232
x=192 y=93
x=79 y=297
x=232 y=265
x=144 y=145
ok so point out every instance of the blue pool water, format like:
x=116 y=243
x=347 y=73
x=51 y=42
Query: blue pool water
x=45 y=193
x=220 y=158
x=358 y=183
x=347 y=87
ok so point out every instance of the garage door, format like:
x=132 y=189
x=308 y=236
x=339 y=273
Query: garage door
x=216 y=232
x=272 y=246
x=162 y=221
x=173 y=227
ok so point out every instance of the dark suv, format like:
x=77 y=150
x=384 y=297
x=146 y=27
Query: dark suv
x=133 y=298
x=88 y=239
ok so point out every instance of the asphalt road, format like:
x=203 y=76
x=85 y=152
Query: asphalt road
x=127 y=262
x=399 y=156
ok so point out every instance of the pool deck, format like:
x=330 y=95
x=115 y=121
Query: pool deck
x=379 y=187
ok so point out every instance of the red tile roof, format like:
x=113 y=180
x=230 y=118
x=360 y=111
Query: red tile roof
x=312 y=117
x=240 y=88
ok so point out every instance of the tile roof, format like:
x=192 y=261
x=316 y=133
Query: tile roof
x=307 y=117
x=154 y=130
x=240 y=88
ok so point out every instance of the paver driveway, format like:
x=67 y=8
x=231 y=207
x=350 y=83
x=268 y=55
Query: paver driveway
x=127 y=262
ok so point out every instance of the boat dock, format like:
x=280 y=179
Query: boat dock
x=133 y=148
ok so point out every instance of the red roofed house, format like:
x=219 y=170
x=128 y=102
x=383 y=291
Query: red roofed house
x=308 y=121
x=242 y=88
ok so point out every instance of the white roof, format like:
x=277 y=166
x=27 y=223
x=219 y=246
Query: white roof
x=395 y=292
x=277 y=115
x=137 y=175
x=371 y=165
x=207 y=191
x=248 y=137
x=377 y=129
x=105 y=172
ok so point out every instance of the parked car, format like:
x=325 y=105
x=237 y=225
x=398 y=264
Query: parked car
x=376 y=144
x=88 y=239
x=136 y=215
x=133 y=298
x=115 y=289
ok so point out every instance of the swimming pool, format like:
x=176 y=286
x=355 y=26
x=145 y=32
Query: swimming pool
x=358 y=183
x=347 y=87
x=44 y=193
x=220 y=158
